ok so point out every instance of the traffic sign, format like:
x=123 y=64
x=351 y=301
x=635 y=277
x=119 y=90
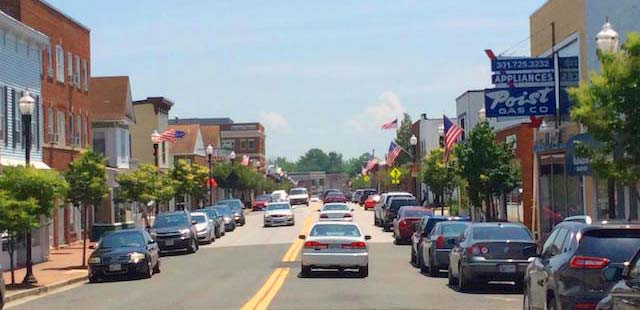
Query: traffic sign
x=366 y=178
x=395 y=175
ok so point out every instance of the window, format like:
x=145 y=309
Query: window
x=2 y=119
x=85 y=75
x=99 y=143
x=59 y=64
x=164 y=152
x=559 y=241
x=252 y=144
x=17 y=130
x=76 y=77
x=79 y=129
x=123 y=144
x=72 y=136
x=228 y=144
x=51 y=136
x=70 y=66
x=463 y=126
x=61 y=129
x=86 y=131
x=243 y=144
x=49 y=62
x=511 y=139
x=549 y=242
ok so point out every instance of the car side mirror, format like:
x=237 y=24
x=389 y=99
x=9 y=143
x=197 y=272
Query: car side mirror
x=194 y=222
x=92 y=247
x=367 y=237
x=611 y=273
x=302 y=237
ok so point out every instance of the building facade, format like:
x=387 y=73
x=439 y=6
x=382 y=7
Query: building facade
x=20 y=71
x=190 y=148
x=152 y=114
x=245 y=139
x=429 y=138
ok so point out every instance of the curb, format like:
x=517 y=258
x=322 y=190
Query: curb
x=43 y=289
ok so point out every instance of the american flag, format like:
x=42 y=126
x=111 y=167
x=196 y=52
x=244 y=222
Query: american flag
x=169 y=135
x=394 y=152
x=371 y=162
x=391 y=124
x=245 y=160
x=451 y=134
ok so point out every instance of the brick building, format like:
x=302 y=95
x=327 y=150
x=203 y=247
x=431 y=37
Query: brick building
x=65 y=75
x=245 y=139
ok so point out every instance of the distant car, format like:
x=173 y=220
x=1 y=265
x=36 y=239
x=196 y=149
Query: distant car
x=236 y=207
x=175 y=231
x=436 y=246
x=625 y=293
x=422 y=231
x=260 y=202
x=278 y=213
x=130 y=252
x=227 y=216
x=404 y=222
x=335 y=198
x=569 y=272
x=371 y=201
x=356 y=195
x=216 y=218
x=491 y=252
x=390 y=211
x=336 y=212
x=2 y=292
x=329 y=191
x=279 y=196
x=204 y=227
x=335 y=245
x=299 y=196
x=379 y=207
x=365 y=194
x=314 y=199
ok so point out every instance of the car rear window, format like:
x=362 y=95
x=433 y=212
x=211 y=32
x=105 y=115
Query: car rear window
x=431 y=223
x=199 y=218
x=397 y=203
x=335 y=230
x=416 y=213
x=335 y=208
x=501 y=233
x=453 y=229
x=618 y=245
x=298 y=191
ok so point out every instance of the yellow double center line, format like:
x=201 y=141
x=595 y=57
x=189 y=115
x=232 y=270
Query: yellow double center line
x=268 y=291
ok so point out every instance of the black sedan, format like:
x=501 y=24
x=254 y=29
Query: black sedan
x=491 y=252
x=129 y=252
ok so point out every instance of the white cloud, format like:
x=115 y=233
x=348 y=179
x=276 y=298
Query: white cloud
x=385 y=109
x=274 y=121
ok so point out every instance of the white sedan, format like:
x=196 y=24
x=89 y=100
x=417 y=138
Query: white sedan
x=278 y=213
x=336 y=212
x=335 y=245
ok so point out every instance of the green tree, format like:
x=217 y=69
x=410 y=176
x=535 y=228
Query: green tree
x=402 y=139
x=359 y=182
x=354 y=165
x=335 y=163
x=441 y=177
x=487 y=167
x=87 y=186
x=190 y=179
x=285 y=164
x=141 y=185
x=609 y=107
x=16 y=217
x=313 y=160
x=28 y=185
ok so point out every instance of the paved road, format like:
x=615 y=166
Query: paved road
x=257 y=268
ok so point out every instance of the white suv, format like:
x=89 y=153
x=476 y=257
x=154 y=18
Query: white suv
x=299 y=196
x=384 y=199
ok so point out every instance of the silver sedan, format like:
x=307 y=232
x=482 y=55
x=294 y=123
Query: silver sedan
x=336 y=212
x=335 y=245
x=278 y=213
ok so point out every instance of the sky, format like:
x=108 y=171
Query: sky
x=322 y=74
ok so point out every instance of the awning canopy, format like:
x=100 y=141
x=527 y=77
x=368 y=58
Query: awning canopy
x=14 y=162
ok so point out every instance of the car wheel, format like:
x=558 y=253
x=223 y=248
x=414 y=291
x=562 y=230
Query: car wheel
x=305 y=271
x=396 y=240
x=92 y=279
x=434 y=272
x=363 y=271
x=463 y=285
x=218 y=233
x=213 y=236
x=551 y=304
x=526 y=300
x=156 y=268
x=421 y=264
x=375 y=222
x=452 y=280
x=148 y=271
x=413 y=257
x=193 y=246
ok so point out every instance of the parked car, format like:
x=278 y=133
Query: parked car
x=579 y=218
x=390 y=211
x=2 y=292
x=365 y=194
x=216 y=218
x=131 y=252
x=279 y=196
x=335 y=198
x=330 y=191
x=335 y=245
x=260 y=202
x=278 y=213
x=227 y=217
x=568 y=273
x=204 y=227
x=403 y=224
x=625 y=294
x=336 y=212
x=299 y=196
x=491 y=252
x=236 y=207
x=175 y=231
x=314 y=198
x=384 y=199
x=371 y=201
x=356 y=195
x=436 y=246
x=422 y=230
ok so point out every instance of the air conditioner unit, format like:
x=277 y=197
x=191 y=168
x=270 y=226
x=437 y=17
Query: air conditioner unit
x=53 y=138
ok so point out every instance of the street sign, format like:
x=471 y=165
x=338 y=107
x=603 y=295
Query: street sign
x=395 y=175
x=501 y=102
x=511 y=64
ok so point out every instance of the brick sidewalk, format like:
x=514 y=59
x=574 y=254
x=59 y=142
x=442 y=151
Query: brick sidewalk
x=63 y=266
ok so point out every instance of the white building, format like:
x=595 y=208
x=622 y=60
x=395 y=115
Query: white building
x=469 y=104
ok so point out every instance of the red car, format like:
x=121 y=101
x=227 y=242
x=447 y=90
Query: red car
x=403 y=223
x=335 y=197
x=371 y=201
x=260 y=202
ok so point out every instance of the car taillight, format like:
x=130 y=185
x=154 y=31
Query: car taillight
x=478 y=249
x=440 y=242
x=403 y=223
x=584 y=306
x=354 y=245
x=347 y=215
x=315 y=245
x=324 y=216
x=588 y=262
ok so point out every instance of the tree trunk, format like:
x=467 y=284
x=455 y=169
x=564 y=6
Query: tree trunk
x=488 y=210
x=84 y=236
x=611 y=193
x=11 y=262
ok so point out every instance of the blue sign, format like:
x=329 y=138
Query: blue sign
x=578 y=166
x=569 y=62
x=501 y=102
x=516 y=64
x=516 y=79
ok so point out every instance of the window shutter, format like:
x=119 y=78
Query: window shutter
x=15 y=107
x=36 y=134
x=5 y=131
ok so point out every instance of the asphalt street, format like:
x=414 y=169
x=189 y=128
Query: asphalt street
x=257 y=268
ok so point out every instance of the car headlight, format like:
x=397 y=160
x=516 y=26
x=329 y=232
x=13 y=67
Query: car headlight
x=154 y=235
x=290 y=216
x=94 y=260
x=136 y=257
x=227 y=219
x=266 y=215
x=184 y=232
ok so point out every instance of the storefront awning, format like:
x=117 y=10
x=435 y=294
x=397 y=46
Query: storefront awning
x=14 y=162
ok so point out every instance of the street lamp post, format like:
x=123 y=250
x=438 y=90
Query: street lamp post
x=155 y=136
x=414 y=145
x=210 y=162
x=440 y=196
x=26 y=104
x=232 y=157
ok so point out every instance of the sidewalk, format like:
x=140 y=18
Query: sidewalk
x=62 y=268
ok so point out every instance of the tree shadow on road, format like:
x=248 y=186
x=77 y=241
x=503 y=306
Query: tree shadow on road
x=496 y=288
x=332 y=274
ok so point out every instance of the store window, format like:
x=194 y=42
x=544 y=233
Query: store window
x=560 y=194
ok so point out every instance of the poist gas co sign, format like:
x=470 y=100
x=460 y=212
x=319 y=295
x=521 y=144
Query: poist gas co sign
x=501 y=102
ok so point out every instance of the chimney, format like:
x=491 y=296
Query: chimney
x=423 y=116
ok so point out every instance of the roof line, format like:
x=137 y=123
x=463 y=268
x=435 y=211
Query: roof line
x=65 y=15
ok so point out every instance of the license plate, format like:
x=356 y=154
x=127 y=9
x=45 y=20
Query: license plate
x=168 y=242
x=507 y=268
x=115 y=267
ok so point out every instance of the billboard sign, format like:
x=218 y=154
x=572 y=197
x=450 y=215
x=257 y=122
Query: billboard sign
x=520 y=101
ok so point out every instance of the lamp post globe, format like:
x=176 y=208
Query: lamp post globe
x=26 y=104
x=232 y=155
x=154 y=136
x=482 y=115
x=441 y=130
x=608 y=40
x=413 y=140
x=209 y=149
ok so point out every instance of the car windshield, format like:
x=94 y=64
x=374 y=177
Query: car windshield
x=502 y=232
x=335 y=208
x=453 y=228
x=617 y=245
x=122 y=239
x=169 y=220
x=416 y=213
x=298 y=191
x=199 y=218
x=210 y=212
x=225 y=211
x=278 y=206
x=233 y=204
x=263 y=198
x=335 y=230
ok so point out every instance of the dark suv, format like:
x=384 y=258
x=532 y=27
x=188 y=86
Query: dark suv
x=568 y=272
x=626 y=293
x=390 y=211
x=365 y=194
x=175 y=231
